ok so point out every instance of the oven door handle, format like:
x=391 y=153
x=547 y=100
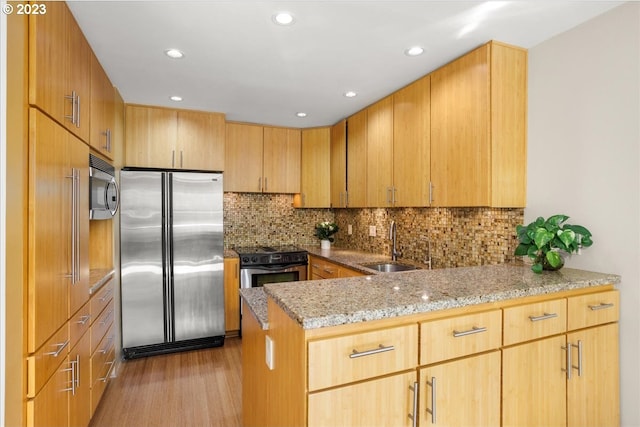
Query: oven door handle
x=272 y=268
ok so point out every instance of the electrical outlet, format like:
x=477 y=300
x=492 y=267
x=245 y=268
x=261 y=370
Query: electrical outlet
x=349 y=229
x=372 y=231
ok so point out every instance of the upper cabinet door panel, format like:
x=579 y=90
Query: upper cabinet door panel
x=412 y=143
x=380 y=153
x=200 y=140
x=357 y=160
x=59 y=68
x=150 y=137
x=339 y=164
x=460 y=148
x=243 y=158
x=315 y=168
x=102 y=110
x=281 y=162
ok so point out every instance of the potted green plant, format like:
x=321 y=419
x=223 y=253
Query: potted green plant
x=544 y=240
x=324 y=231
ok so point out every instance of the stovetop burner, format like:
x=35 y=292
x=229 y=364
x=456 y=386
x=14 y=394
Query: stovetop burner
x=271 y=255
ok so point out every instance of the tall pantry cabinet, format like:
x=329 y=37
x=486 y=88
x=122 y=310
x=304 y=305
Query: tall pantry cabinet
x=68 y=310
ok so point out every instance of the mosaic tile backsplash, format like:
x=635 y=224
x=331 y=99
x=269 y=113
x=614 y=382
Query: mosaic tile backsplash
x=456 y=237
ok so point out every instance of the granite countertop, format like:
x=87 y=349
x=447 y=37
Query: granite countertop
x=354 y=259
x=323 y=303
x=256 y=299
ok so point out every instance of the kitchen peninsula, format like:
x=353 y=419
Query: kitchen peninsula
x=487 y=345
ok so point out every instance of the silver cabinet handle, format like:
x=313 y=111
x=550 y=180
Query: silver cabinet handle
x=181 y=158
x=78 y=113
x=579 y=367
x=107 y=345
x=107 y=139
x=74 y=111
x=106 y=377
x=346 y=199
x=173 y=158
x=260 y=184
x=545 y=316
x=83 y=319
x=473 y=330
x=75 y=226
x=381 y=349
x=107 y=318
x=568 y=369
x=601 y=306
x=389 y=196
x=432 y=411
x=106 y=295
x=61 y=346
x=414 y=414
x=430 y=193
x=265 y=183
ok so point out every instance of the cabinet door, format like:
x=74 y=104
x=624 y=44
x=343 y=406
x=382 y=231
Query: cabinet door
x=78 y=155
x=243 y=158
x=80 y=398
x=380 y=153
x=231 y=295
x=593 y=398
x=462 y=393
x=49 y=229
x=79 y=79
x=460 y=107
x=281 y=163
x=386 y=401
x=339 y=165
x=357 y=160
x=150 y=137
x=534 y=384
x=412 y=143
x=315 y=168
x=102 y=110
x=51 y=406
x=200 y=140
x=48 y=61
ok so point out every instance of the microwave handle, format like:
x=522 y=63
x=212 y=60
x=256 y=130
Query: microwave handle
x=106 y=197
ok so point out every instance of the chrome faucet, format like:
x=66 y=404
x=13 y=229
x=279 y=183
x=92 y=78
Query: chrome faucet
x=392 y=237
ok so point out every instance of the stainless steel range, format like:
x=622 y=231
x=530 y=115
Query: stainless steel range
x=271 y=264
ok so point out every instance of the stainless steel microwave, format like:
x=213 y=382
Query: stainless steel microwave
x=103 y=189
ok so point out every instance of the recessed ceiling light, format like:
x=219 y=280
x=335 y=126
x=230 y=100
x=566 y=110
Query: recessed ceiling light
x=174 y=53
x=283 y=18
x=350 y=94
x=301 y=114
x=414 y=51
x=176 y=98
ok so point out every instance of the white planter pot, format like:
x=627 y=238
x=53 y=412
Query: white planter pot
x=325 y=244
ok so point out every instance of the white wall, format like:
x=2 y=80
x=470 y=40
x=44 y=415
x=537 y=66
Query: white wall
x=584 y=158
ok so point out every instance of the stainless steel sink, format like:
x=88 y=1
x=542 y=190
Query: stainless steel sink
x=389 y=266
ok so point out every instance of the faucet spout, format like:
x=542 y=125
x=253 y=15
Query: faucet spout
x=393 y=238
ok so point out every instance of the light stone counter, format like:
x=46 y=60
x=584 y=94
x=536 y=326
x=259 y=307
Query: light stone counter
x=256 y=299
x=323 y=303
x=353 y=259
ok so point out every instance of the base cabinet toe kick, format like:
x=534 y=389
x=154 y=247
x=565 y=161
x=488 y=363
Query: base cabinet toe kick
x=470 y=366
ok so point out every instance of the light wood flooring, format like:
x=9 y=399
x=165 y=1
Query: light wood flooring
x=194 y=388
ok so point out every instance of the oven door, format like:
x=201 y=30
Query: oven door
x=255 y=276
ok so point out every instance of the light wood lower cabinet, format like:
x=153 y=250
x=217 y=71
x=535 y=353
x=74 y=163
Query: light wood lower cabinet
x=320 y=268
x=564 y=378
x=386 y=401
x=464 y=392
x=231 y=296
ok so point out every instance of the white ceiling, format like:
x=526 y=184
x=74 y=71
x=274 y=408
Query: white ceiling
x=238 y=61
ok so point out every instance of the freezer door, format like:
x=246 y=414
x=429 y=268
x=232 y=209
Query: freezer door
x=198 y=292
x=143 y=272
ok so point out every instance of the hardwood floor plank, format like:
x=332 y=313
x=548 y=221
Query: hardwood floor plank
x=194 y=388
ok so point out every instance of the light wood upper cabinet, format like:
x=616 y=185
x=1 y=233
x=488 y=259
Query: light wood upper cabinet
x=357 y=160
x=339 y=165
x=262 y=159
x=412 y=144
x=478 y=129
x=243 y=158
x=175 y=139
x=200 y=140
x=102 y=110
x=281 y=161
x=150 y=137
x=59 y=68
x=315 y=168
x=380 y=153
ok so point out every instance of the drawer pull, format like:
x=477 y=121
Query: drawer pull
x=473 y=330
x=106 y=295
x=543 y=317
x=381 y=349
x=83 y=320
x=107 y=318
x=61 y=347
x=106 y=377
x=601 y=306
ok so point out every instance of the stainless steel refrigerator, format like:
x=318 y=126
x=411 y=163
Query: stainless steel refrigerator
x=171 y=261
